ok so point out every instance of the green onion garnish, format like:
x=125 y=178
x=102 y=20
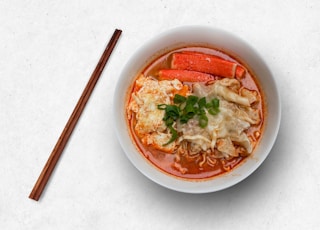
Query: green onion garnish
x=185 y=108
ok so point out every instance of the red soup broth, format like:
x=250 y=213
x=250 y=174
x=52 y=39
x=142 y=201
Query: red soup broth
x=165 y=161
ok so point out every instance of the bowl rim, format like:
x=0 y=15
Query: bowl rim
x=152 y=48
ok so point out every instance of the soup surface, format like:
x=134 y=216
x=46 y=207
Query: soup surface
x=195 y=112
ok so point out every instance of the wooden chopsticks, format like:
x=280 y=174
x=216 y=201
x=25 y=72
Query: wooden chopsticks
x=66 y=133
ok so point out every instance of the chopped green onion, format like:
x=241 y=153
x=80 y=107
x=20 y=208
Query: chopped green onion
x=169 y=121
x=178 y=99
x=201 y=111
x=173 y=137
x=189 y=111
x=192 y=100
x=215 y=102
x=162 y=106
x=172 y=111
x=202 y=102
x=184 y=119
x=203 y=121
x=213 y=111
x=215 y=106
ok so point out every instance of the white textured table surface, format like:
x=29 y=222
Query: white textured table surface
x=47 y=54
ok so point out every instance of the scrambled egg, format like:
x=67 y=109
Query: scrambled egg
x=150 y=127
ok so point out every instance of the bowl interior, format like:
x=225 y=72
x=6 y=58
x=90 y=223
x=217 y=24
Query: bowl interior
x=206 y=36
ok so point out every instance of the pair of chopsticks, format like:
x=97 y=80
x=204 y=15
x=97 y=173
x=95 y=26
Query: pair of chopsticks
x=67 y=131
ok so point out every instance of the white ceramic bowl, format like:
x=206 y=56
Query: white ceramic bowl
x=198 y=35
